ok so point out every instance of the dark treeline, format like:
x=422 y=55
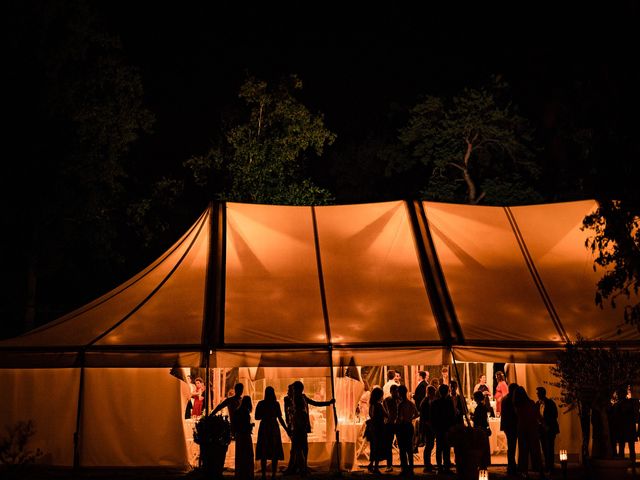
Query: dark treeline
x=126 y=119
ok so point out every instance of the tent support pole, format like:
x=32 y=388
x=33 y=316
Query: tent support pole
x=327 y=327
x=464 y=400
x=207 y=384
x=79 y=412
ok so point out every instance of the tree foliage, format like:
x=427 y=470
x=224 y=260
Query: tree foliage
x=264 y=157
x=588 y=374
x=616 y=244
x=77 y=107
x=475 y=145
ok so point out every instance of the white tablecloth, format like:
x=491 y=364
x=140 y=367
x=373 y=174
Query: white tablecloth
x=497 y=440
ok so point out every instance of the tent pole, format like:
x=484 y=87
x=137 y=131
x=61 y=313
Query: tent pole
x=464 y=400
x=207 y=385
x=79 y=412
x=335 y=412
x=327 y=327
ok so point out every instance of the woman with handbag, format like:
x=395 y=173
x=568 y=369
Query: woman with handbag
x=376 y=430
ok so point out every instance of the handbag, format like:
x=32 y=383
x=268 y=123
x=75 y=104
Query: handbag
x=368 y=429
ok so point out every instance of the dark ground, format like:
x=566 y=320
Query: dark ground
x=574 y=472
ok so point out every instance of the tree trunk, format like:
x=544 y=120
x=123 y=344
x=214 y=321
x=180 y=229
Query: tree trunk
x=471 y=187
x=601 y=447
x=585 y=427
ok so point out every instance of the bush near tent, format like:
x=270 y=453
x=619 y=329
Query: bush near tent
x=589 y=373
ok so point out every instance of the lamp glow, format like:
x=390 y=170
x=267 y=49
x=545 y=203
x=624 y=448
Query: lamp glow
x=563 y=462
x=483 y=475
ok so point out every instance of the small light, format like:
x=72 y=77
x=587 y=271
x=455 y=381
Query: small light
x=483 y=475
x=563 y=462
x=563 y=455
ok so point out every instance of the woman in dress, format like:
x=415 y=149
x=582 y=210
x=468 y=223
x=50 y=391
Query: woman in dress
x=502 y=389
x=377 y=414
x=269 y=445
x=198 y=398
x=243 y=427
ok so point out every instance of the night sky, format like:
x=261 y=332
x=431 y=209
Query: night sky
x=358 y=64
x=363 y=67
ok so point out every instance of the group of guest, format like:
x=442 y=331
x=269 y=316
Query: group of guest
x=624 y=415
x=531 y=426
x=393 y=415
x=295 y=423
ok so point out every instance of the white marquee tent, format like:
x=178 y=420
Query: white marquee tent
x=275 y=286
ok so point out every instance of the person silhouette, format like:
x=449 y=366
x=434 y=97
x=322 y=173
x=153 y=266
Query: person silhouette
x=231 y=403
x=243 y=427
x=269 y=446
x=549 y=427
x=301 y=425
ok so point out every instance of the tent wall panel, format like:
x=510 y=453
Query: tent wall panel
x=132 y=417
x=84 y=325
x=272 y=286
x=142 y=359
x=48 y=397
x=275 y=358
x=374 y=286
x=507 y=355
x=556 y=242
x=494 y=294
x=182 y=294
x=391 y=356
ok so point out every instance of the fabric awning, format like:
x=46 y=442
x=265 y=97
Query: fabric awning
x=258 y=285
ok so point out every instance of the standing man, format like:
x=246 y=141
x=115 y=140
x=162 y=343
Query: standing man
x=391 y=406
x=393 y=378
x=407 y=412
x=549 y=427
x=419 y=395
x=426 y=430
x=442 y=416
x=421 y=389
x=509 y=425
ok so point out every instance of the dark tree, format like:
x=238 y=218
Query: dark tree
x=76 y=108
x=476 y=146
x=616 y=244
x=264 y=157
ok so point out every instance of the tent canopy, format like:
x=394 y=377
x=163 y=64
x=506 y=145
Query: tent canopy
x=258 y=285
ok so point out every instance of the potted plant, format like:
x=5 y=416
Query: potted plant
x=15 y=456
x=589 y=372
x=213 y=434
x=467 y=445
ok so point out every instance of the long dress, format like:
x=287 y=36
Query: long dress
x=501 y=391
x=269 y=445
x=377 y=448
x=480 y=421
x=244 y=463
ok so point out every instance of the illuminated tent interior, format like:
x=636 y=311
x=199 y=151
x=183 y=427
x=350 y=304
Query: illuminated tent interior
x=255 y=286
